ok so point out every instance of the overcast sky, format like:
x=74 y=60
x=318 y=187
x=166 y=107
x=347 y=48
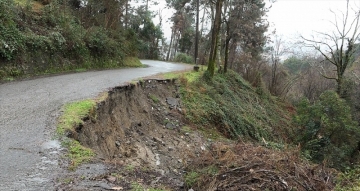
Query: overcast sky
x=290 y=18
x=294 y=17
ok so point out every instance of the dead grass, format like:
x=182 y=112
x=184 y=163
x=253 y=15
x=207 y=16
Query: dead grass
x=36 y=6
x=249 y=167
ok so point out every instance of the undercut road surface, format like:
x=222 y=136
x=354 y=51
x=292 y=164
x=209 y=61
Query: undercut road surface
x=29 y=157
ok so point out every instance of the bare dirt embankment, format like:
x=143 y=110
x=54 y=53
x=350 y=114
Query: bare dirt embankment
x=140 y=135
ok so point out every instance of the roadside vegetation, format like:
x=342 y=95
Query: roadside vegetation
x=47 y=37
x=72 y=117
x=310 y=136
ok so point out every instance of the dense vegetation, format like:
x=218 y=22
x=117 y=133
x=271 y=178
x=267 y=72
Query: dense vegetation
x=42 y=37
x=236 y=109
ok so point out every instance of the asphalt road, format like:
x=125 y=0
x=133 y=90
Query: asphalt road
x=29 y=157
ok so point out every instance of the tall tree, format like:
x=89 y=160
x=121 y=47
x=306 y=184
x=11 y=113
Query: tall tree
x=245 y=28
x=197 y=31
x=214 y=37
x=338 y=47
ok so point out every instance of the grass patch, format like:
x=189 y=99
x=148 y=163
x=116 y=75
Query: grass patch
x=349 y=180
x=130 y=168
x=138 y=187
x=212 y=133
x=73 y=113
x=191 y=178
x=186 y=129
x=35 y=5
x=192 y=76
x=77 y=153
x=171 y=75
x=133 y=62
x=80 y=70
x=154 y=98
x=72 y=116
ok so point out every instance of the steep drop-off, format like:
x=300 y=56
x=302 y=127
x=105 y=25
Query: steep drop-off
x=141 y=126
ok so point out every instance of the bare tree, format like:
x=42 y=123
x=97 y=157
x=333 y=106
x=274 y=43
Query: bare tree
x=338 y=47
x=277 y=50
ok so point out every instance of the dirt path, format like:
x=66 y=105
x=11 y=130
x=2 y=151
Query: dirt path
x=29 y=158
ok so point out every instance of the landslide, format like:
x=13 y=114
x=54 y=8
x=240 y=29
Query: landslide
x=219 y=134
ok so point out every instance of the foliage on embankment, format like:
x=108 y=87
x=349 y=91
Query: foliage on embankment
x=41 y=39
x=235 y=108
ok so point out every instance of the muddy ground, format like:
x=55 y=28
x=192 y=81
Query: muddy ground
x=140 y=139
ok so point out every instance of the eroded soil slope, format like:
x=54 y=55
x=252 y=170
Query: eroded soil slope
x=138 y=131
x=142 y=143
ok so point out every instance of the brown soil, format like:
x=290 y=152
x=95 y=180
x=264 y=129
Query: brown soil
x=140 y=137
x=140 y=134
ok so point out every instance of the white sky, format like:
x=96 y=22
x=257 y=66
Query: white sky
x=294 y=17
x=290 y=18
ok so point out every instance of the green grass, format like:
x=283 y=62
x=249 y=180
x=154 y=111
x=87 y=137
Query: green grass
x=81 y=70
x=191 y=178
x=171 y=75
x=23 y=2
x=190 y=76
x=231 y=106
x=130 y=168
x=349 y=180
x=154 y=98
x=138 y=187
x=72 y=116
x=132 y=62
x=73 y=113
x=77 y=153
x=186 y=129
x=35 y=5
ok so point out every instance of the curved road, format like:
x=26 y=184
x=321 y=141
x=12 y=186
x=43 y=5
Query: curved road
x=28 y=110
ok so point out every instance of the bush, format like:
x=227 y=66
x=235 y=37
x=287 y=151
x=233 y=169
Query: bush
x=10 y=38
x=328 y=131
x=182 y=57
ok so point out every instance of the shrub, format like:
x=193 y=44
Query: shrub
x=10 y=38
x=182 y=57
x=328 y=131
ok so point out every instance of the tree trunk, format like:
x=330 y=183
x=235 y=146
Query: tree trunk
x=202 y=22
x=171 y=40
x=339 y=88
x=197 y=33
x=227 y=42
x=126 y=13
x=214 y=39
